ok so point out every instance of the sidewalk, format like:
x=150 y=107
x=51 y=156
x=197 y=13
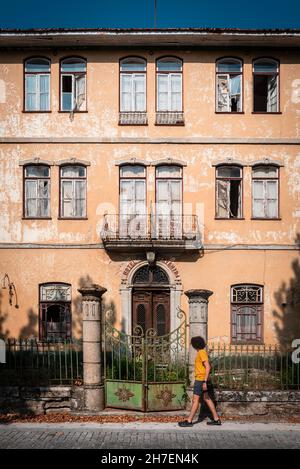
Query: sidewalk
x=149 y=435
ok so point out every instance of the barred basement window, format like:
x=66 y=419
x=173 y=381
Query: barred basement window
x=246 y=313
x=73 y=84
x=73 y=191
x=266 y=85
x=228 y=192
x=37 y=85
x=55 y=311
x=36 y=191
x=229 y=85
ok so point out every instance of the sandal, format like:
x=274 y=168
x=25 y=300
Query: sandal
x=185 y=423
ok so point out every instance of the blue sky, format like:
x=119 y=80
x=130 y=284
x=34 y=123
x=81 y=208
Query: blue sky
x=139 y=13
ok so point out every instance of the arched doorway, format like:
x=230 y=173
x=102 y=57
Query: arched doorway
x=151 y=300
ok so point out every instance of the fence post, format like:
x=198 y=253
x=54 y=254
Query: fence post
x=92 y=343
x=198 y=314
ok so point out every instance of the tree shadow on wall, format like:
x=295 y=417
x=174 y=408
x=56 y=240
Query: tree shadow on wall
x=4 y=332
x=287 y=312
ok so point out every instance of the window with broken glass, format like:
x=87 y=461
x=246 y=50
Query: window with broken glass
x=55 y=311
x=246 y=313
x=73 y=191
x=229 y=85
x=265 y=197
x=37 y=85
x=36 y=191
x=229 y=192
x=266 y=85
x=73 y=84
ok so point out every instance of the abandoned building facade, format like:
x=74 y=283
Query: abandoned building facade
x=161 y=165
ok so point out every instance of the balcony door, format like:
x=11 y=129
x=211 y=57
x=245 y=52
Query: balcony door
x=168 y=202
x=133 y=218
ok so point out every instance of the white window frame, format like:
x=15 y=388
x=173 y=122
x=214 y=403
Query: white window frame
x=229 y=75
x=38 y=180
x=265 y=180
x=170 y=74
x=133 y=74
x=75 y=75
x=74 y=180
x=37 y=93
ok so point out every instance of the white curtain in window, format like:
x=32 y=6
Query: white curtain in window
x=80 y=202
x=31 y=198
x=223 y=93
x=44 y=92
x=67 y=194
x=271 y=199
x=126 y=90
x=162 y=92
x=258 y=199
x=80 y=92
x=272 y=94
x=139 y=88
x=175 y=91
x=223 y=199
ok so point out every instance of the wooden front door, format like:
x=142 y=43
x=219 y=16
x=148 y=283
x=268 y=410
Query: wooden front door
x=151 y=310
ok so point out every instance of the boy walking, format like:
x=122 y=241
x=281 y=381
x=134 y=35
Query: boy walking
x=202 y=370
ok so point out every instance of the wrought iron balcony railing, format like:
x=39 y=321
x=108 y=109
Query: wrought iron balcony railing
x=155 y=229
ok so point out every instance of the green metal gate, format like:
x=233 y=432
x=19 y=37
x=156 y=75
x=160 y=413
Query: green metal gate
x=144 y=371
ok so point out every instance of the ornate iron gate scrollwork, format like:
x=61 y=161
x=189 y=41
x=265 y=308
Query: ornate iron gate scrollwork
x=144 y=371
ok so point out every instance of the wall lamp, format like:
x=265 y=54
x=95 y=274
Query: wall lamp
x=12 y=292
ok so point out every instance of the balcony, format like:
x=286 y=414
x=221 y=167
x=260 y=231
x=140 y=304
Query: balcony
x=177 y=233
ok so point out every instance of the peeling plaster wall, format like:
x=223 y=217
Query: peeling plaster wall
x=218 y=269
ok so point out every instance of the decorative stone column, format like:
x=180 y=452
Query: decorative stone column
x=92 y=344
x=198 y=313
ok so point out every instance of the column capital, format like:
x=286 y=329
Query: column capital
x=92 y=292
x=198 y=295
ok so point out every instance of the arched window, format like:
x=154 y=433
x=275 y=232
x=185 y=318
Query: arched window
x=36 y=191
x=229 y=85
x=169 y=84
x=73 y=191
x=133 y=85
x=265 y=197
x=150 y=275
x=229 y=191
x=133 y=218
x=73 y=84
x=37 y=85
x=266 y=85
x=246 y=313
x=55 y=311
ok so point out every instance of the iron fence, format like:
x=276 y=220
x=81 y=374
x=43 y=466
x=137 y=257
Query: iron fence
x=36 y=363
x=253 y=367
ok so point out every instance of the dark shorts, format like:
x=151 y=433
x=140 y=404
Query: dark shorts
x=198 y=388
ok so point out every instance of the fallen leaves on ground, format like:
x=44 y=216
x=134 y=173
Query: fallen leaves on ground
x=125 y=418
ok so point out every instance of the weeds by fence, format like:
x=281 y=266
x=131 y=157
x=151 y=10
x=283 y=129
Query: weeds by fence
x=36 y=363
x=253 y=367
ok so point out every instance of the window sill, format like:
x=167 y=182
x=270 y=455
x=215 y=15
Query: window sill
x=169 y=118
x=230 y=112
x=266 y=219
x=36 y=218
x=72 y=218
x=36 y=112
x=229 y=219
x=72 y=112
x=265 y=112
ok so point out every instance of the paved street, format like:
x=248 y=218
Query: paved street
x=149 y=435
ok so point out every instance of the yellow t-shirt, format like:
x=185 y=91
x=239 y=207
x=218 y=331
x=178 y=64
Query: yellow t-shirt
x=199 y=367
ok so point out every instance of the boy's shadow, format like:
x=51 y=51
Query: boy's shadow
x=204 y=412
